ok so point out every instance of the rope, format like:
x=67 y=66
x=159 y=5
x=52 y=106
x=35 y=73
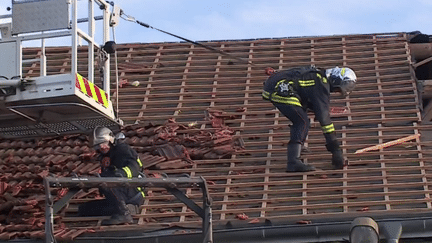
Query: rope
x=132 y=19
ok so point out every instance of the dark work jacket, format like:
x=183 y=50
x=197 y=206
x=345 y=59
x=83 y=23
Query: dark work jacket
x=306 y=87
x=121 y=159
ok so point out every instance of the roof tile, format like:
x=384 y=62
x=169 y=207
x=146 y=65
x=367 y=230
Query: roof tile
x=244 y=176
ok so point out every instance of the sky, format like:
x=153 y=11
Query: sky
x=205 y=20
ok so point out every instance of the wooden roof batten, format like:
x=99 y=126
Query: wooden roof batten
x=181 y=81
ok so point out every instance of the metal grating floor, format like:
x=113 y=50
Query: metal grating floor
x=181 y=81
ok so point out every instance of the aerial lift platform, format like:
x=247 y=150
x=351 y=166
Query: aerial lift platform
x=60 y=104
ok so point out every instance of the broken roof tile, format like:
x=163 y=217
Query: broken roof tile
x=383 y=108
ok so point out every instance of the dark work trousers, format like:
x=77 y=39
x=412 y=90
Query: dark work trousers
x=300 y=127
x=111 y=204
x=104 y=207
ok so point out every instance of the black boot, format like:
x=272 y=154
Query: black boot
x=123 y=217
x=294 y=163
x=305 y=150
x=338 y=160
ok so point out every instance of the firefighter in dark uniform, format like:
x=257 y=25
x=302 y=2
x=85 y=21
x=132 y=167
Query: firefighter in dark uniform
x=117 y=160
x=296 y=90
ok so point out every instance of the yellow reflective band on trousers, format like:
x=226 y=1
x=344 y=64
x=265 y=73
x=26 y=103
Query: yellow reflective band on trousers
x=285 y=100
x=141 y=190
x=328 y=129
x=128 y=172
x=306 y=83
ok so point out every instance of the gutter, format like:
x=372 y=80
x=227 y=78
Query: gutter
x=416 y=227
x=419 y=227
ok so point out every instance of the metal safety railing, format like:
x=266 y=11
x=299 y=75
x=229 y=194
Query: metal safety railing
x=172 y=185
x=28 y=98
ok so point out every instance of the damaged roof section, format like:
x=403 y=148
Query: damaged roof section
x=24 y=164
x=216 y=125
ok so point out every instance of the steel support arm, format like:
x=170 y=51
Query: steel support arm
x=172 y=185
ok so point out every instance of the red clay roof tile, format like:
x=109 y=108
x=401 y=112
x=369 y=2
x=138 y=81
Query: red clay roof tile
x=252 y=181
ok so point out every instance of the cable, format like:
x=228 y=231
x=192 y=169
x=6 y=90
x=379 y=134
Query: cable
x=115 y=61
x=117 y=77
x=132 y=19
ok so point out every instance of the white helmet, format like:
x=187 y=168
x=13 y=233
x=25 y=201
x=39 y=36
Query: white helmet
x=342 y=80
x=101 y=135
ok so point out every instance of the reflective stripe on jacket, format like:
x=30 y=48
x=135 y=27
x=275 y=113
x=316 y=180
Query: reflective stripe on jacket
x=306 y=87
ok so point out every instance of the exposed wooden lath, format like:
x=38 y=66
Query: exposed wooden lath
x=180 y=81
